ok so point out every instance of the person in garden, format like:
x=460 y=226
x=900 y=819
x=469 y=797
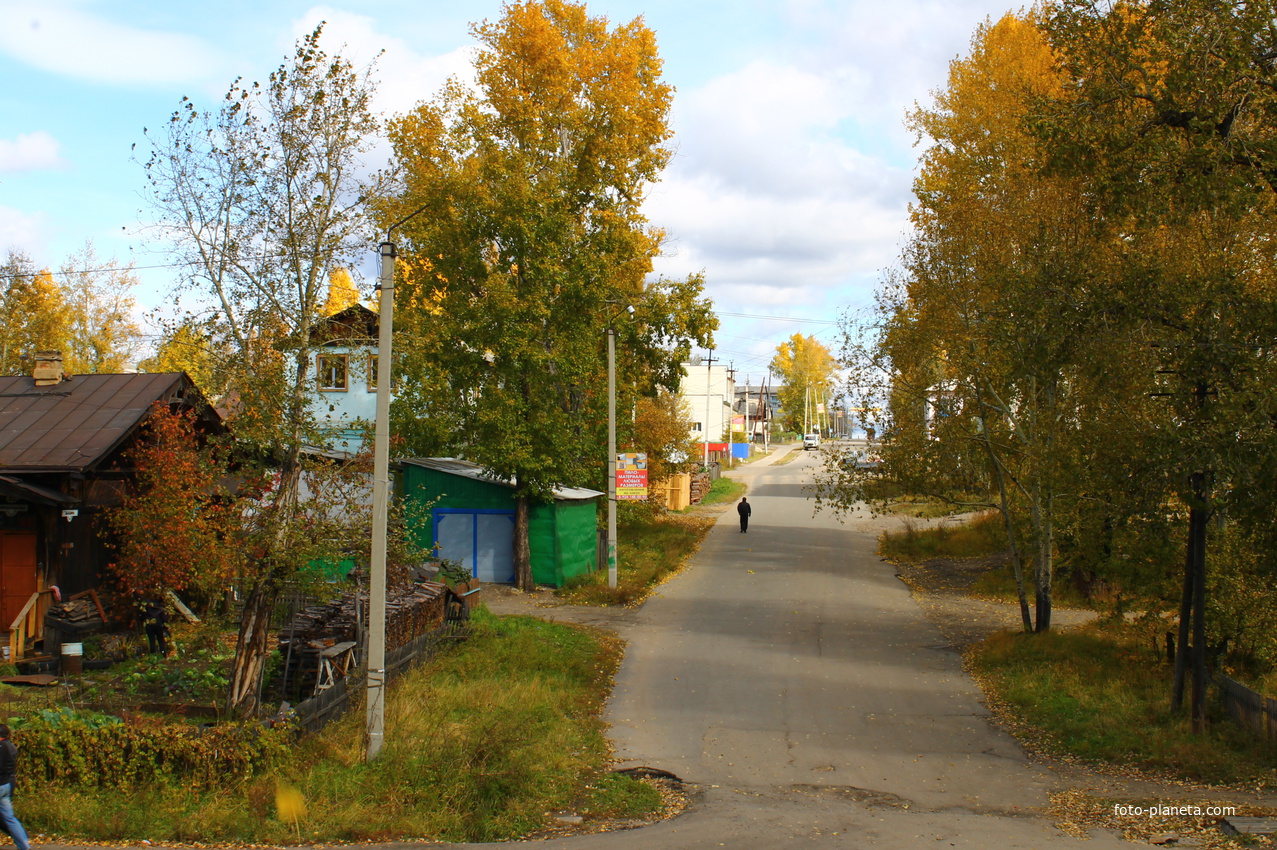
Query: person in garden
x=8 y=776
x=155 y=622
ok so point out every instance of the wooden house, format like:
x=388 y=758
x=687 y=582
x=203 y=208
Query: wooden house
x=63 y=440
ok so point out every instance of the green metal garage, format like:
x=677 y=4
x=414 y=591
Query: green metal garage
x=471 y=520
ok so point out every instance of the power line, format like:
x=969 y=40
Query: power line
x=774 y=318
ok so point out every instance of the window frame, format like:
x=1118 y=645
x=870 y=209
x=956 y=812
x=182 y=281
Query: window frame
x=320 y=376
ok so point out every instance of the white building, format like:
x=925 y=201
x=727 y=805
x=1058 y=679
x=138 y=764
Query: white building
x=709 y=391
x=345 y=370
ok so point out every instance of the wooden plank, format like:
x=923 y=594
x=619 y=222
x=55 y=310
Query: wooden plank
x=92 y=594
x=337 y=649
x=1250 y=826
x=181 y=608
x=40 y=680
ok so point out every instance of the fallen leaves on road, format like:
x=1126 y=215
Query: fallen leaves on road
x=1077 y=813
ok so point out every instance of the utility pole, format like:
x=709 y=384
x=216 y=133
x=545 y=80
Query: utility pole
x=376 y=702
x=731 y=433
x=376 y=658
x=709 y=374
x=806 y=410
x=765 y=398
x=611 y=457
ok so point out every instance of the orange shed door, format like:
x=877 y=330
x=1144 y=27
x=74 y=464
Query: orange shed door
x=17 y=574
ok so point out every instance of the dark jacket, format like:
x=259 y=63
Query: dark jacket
x=8 y=762
x=743 y=508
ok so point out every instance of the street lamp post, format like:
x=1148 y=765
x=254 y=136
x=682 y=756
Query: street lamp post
x=611 y=458
x=376 y=705
x=376 y=697
x=611 y=449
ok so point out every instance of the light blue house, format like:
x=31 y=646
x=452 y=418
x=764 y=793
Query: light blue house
x=345 y=368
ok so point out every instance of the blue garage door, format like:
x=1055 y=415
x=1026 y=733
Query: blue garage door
x=483 y=541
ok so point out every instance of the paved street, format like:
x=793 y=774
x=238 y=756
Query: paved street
x=790 y=678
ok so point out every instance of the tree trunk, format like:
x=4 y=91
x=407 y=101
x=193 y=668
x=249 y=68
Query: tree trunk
x=1042 y=566
x=250 y=650
x=1185 y=621
x=1017 y=563
x=522 y=551
x=1197 y=518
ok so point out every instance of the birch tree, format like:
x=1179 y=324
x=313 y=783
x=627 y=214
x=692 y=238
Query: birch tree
x=261 y=199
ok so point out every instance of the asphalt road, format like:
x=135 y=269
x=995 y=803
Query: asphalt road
x=792 y=681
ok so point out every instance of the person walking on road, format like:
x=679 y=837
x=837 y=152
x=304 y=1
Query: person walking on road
x=8 y=774
x=744 y=510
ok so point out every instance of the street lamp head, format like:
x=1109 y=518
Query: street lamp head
x=629 y=308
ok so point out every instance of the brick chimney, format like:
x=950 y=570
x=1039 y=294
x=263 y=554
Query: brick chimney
x=48 y=369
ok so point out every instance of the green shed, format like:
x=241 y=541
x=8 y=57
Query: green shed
x=471 y=520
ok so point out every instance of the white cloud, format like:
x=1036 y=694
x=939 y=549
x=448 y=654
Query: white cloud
x=62 y=39
x=20 y=231
x=405 y=77
x=771 y=199
x=30 y=152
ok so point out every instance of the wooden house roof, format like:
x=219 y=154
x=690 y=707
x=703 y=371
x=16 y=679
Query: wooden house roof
x=76 y=424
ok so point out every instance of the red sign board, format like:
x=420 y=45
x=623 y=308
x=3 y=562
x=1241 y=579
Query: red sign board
x=631 y=476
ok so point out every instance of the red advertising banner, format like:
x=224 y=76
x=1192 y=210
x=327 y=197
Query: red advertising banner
x=631 y=476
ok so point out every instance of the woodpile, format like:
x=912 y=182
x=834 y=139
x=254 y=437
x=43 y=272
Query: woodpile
x=412 y=611
x=81 y=614
x=700 y=487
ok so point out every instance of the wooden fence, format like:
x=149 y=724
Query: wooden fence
x=313 y=714
x=1248 y=709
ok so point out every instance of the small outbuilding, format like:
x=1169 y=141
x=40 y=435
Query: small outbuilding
x=471 y=520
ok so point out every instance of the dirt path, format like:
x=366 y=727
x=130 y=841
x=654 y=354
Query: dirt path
x=942 y=587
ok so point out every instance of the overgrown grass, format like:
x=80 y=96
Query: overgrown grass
x=649 y=548
x=998 y=584
x=724 y=490
x=983 y=535
x=481 y=743
x=1101 y=695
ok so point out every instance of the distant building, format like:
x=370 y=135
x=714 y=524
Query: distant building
x=346 y=374
x=760 y=405
x=710 y=392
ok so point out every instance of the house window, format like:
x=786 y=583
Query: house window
x=374 y=370
x=331 y=373
x=696 y=426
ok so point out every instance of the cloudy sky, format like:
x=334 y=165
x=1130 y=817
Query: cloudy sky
x=789 y=188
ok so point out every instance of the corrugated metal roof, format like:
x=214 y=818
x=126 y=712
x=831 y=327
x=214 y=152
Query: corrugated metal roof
x=78 y=422
x=466 y=469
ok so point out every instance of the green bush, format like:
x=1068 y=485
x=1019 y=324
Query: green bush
x=79 y=749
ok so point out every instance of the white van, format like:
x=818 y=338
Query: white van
x=811 y=441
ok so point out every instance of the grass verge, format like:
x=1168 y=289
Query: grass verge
x=649 y=549
x=724 y=490
x=983 y=535
x=481 y=743
x=1098 y=694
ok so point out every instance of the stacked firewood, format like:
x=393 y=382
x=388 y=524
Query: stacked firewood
x=411 y=611
x=81 y=614
x=700 y=487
